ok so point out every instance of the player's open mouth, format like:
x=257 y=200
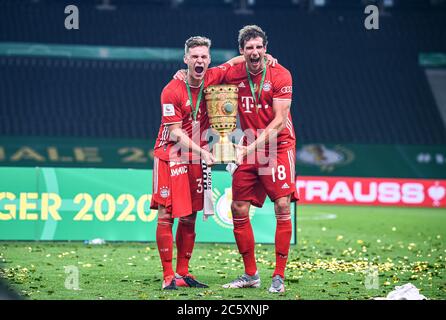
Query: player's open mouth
x=255 y=61
x=199 y=69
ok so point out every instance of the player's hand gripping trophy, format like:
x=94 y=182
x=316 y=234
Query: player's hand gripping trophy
x=221 y=101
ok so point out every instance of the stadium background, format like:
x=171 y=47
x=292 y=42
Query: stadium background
x=79 y=109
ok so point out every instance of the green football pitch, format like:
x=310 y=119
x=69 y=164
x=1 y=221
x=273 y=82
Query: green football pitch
x=341 y=253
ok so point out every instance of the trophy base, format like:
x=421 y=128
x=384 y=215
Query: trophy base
x=224 y=152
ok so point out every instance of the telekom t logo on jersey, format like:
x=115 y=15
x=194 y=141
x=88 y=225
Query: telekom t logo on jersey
x=248 y=104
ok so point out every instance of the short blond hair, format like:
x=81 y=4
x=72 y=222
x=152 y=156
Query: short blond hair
x=250 y=32
x=196 y=41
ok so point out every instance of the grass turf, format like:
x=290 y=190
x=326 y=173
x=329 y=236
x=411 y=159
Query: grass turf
x=336 y=251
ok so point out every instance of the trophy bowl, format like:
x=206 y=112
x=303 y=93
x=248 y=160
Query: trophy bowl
x=222 y=103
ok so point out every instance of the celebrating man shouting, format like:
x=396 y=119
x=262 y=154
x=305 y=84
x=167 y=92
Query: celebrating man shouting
x=267 y=157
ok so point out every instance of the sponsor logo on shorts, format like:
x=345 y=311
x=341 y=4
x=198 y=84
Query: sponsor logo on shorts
x=285 y=186
x=178 y=171
x=164 y=192
x=241 y=85
x=168 y=110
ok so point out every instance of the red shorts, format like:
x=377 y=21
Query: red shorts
x=253 y=182
x=178 y=187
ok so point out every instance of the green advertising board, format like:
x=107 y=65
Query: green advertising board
x=315 y=159
x=111 y=204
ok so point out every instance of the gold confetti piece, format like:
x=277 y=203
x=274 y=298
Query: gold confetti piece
x=393 y=229
x=339 y=238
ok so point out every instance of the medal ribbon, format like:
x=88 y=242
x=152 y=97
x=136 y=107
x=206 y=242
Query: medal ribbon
x=200 y=93
x=251 y=85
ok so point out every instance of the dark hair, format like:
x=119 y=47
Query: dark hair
x=250 y=32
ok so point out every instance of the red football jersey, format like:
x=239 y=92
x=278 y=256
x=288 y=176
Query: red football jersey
x=277 y=85
x=176 y=108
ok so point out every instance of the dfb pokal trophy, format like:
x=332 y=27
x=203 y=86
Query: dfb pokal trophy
x=221 y=102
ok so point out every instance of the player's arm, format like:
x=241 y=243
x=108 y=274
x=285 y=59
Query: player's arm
x=178 y=135
x=172 y=117
x=270 y=61
x=281 y=109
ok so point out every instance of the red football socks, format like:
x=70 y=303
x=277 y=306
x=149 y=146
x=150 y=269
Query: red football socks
x=164 y=240
x=185 y=240
x=282 y=242
x=244 y=238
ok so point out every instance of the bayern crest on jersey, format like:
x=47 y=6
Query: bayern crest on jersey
x=267 y=86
